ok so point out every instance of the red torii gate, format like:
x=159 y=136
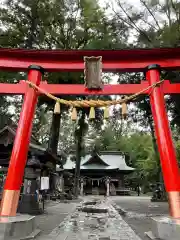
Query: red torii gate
x=36 y=62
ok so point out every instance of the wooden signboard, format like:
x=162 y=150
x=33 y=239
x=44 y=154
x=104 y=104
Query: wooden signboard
x=93 y=72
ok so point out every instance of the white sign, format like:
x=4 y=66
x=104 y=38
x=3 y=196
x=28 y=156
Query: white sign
x=44 y=183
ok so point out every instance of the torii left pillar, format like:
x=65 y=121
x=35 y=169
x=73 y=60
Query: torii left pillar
x=18 y=159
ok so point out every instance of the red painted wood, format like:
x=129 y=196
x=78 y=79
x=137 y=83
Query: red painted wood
x=15 y=89
x=166 y=148
x=79 y=89
x=133 y=60
x=21 y=143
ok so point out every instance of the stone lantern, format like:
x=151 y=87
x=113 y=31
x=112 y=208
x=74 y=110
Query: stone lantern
x=29 y=202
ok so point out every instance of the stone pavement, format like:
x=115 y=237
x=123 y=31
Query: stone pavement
x=138 y=211
x=96 y=220
x=141 y=205
x=55 y=213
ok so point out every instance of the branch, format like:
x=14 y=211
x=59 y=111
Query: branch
x=146 y=6
x=63 y=38
x=152 y=26
x=122 y=19
x=167 y=12
x=48 y=43
x=134 y=25
x=58 y=43
x=176 y=11
x=83 y=42
x=72 y=24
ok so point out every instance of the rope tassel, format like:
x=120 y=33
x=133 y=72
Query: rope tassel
x=106 y=112
x=92 y=113
x=74 y=114
x=57 y=108
x=124 y=110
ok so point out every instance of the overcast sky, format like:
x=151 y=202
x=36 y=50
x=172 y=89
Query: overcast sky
x=134 y=2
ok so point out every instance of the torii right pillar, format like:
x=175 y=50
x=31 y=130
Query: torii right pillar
x=166 y=148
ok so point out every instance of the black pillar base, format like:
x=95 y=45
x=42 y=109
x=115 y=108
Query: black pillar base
x=29 y=205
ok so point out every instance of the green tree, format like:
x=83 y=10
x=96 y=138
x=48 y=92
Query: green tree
x=63 y=24
x=153 y=24
x=138 y=146
x=56 y=24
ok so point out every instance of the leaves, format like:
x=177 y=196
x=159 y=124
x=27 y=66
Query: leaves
x=139 y=149
x=57 y=24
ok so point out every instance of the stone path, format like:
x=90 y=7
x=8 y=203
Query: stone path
x=94 y=221
x=54 y=214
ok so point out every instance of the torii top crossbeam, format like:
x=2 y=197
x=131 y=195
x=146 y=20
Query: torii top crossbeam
x=134 y=60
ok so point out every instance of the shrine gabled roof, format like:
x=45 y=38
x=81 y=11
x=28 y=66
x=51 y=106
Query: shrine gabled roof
x=35 y=147
x=94 y=159
x=33 y=143
x=12 y=130
x=114 y=160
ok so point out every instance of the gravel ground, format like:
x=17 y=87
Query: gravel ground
x=139 y=212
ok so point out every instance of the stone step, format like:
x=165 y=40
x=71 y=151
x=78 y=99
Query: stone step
x=91 y=209
x=33 y=235
x=150 y=235
x=18 y=228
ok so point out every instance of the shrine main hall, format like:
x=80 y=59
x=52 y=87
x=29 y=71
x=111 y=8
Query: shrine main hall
x=98 y=169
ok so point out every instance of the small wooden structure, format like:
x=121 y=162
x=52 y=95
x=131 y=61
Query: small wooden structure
x=7 y=135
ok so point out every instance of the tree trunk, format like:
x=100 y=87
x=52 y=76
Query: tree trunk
x=54 y=134
x=77 y=169
x=153 y=135
x=159 y=172
x=53 y=143
x=79 y=139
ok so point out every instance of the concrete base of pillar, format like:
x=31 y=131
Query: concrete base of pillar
x=30 y=205
x=20 y=227
x=150 y=235
x=165 y=228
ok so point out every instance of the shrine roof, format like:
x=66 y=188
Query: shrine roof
x=106 y=161
x=12 y=130
x=7 y=135
x=98 y=167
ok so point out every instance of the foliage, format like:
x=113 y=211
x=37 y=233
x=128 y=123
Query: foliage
x=63 y=24
x=138 y=146
x=154 y=24
x=143 y=158
x=4 y=114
